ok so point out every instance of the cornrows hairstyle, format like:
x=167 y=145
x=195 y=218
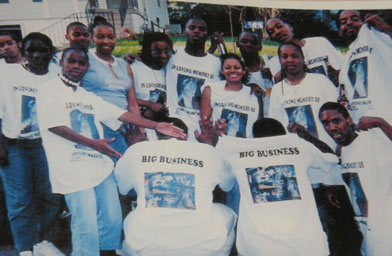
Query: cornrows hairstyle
x=38 y=36
x=226 y=56
x=70 y=49
x=14 y=36
x=74 y=24
x=148 y=39
x=334 y=106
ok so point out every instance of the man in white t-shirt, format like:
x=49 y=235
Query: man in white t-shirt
x=366 y=161
x=187 y=71
x=79 y=165
x=175 y=215
x=278 y=213
x=366 y=72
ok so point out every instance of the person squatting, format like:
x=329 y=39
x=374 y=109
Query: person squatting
x=228 y=155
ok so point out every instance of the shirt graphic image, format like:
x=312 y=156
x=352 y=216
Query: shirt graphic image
x=273 y=183
x=170 y=190
x=303 y=115
x=29 y=115
x=157 y=96
x=358 y=197
x=358 y=76
x=236 y=123
x=188 y=90
x=84 y=124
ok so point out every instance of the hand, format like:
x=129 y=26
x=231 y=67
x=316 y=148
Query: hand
x=156 y=107
x=220 y=127
x=103 y=147
x=333 y=200
x=3 y=156
x=266 y=72
x=134 y=134
x=375 y=21
x=170 y=130
x=130 y=58
x=293 y=127
x=369 y=122
x=217 y=38
x=278 y=77
x=206 y=135
x=256 y=90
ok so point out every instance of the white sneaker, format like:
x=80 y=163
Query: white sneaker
x=46 y=248
x=26 y=253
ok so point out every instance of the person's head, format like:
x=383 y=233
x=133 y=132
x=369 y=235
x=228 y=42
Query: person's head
x=190 y=87
x=74 y=63
x=233 y=68
x=279 y=31
x=267 y=127
x=249 y=43
x=337 y=123
x=10 y=46
x=78 y=35
x=196 y=32
x=104 y=37
x=349 y=23
x=156 y=49
x=291 y=59
x=38 y=49
x=176 y=122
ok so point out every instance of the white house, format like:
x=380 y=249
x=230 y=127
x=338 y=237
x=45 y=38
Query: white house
x=52 y=16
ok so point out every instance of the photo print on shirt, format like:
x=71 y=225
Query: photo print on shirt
x=157 y=96
x=170 y=190
x=303 y=115
x=358 y=75
x=236 y=123
x=273 y=183
x=29 y=115
x=83 y=124
x=188 y=91
x=358 y=197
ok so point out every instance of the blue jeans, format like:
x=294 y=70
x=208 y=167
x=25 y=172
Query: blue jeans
x=233 y=198
x=119 y=144
x=96 y=222
x=32 y=207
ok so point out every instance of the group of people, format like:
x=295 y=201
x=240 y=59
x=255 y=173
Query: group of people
x=285 y=137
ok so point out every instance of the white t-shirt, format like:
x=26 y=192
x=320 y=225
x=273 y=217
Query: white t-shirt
x=366 y=74
x=174 y=181
x=278 y=213
x=301 y=103
x=367 y=172
x=184 y=78
x=317 y=52
x=150 y=85
x=265 y=84
x=74 y=167
x=18 y=97
x=240 y=109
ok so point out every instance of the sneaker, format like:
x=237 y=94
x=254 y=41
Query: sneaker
x=26 y=253
x=46 y=248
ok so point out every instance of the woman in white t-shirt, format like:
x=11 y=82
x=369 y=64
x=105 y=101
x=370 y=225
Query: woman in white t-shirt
x=229 y=101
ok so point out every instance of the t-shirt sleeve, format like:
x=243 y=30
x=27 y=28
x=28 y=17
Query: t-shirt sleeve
x=335 y=57
x=226 y=174
x=50 y=107
x=320 y=160
x=276 y=110
x=123 y=172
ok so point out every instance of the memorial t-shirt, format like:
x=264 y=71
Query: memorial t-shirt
x=278 y=213
x=72 y=166
x=184 y=78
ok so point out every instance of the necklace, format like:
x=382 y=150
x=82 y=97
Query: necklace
x=69 y=82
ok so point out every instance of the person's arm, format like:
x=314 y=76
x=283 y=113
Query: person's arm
x=375 y=21
x=216 y=38
x=99 y=145
x=205 y=104
x=3 y=150
x=369 y=122
x=206 y=132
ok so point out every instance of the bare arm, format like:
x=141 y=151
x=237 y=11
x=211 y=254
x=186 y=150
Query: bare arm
x=205 y=104
x=378 y=23
x=369 y=122
x=101 y=146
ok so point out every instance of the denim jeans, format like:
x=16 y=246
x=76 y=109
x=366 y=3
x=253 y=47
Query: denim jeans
x=96 y=221
x=32 y=207
x=119 y=144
